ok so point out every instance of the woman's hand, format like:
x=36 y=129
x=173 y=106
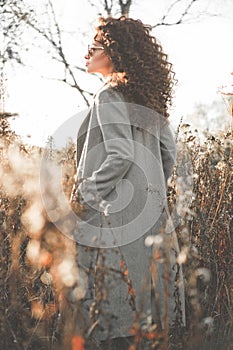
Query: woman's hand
x=74 y=201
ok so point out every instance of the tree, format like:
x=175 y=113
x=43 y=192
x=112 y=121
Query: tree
x=11 y=32
x=26 y=26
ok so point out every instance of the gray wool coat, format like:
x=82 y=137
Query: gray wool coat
x=126 y=243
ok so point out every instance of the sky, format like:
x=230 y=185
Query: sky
x=201 y=53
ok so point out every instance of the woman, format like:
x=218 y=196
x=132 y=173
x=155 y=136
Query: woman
x=125 y=154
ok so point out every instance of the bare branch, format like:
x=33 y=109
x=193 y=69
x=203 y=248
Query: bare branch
x=125 y=7
x=55 y=22
x=181 y=18
x=169 y=10
x=64 y=80
x=57 y=46
x=80 y=68
x=108 y=8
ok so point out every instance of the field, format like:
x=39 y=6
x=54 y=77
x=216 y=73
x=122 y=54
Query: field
x=35 y=308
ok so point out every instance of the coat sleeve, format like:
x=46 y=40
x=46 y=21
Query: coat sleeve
x=112 y=118
x=168 y=149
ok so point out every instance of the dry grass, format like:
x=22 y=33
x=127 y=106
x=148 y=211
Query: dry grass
x=35 y=308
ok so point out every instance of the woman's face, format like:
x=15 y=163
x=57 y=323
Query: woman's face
x=97 y=61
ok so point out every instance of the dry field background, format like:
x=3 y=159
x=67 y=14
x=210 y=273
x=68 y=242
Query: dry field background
x=37 y=262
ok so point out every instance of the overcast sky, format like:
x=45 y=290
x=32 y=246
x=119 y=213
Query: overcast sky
x=201 y=52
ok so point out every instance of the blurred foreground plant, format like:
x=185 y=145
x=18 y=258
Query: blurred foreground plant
x=37 y=261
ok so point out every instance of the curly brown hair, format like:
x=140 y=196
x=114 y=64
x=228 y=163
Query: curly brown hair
x=142 y=72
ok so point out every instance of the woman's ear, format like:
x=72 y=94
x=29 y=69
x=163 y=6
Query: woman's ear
x=108 y=62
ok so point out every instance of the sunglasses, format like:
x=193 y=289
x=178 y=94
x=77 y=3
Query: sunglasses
x=92 y=49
